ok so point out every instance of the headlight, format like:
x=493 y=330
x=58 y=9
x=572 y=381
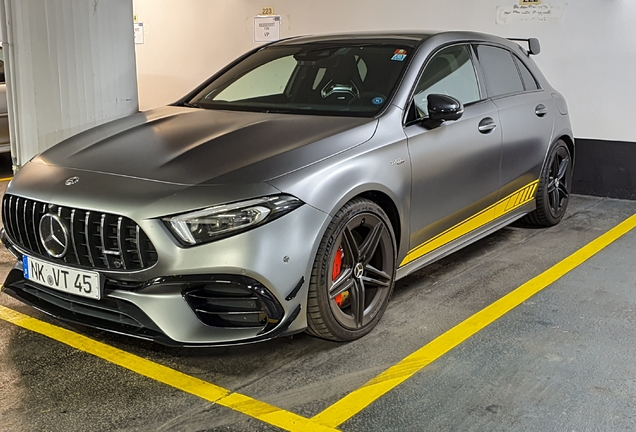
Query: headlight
x=214 y=223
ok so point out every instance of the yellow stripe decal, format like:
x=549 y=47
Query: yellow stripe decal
x=244 y=404
x=359 y=399
x=6 y=179
x=501 y=207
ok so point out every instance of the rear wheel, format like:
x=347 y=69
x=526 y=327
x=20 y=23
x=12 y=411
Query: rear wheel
x=353 y=274
x=553 y=193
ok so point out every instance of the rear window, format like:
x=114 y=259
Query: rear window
x=353 y=80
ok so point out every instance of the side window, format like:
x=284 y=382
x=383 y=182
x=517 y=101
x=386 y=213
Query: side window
x=528 y=80
x=501 y=74
x=449 y=72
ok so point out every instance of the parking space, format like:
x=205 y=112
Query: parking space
x=561 y=361
x=552 y=346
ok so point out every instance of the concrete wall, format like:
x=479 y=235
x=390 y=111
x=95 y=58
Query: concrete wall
x=70 y=66
x=589 y=52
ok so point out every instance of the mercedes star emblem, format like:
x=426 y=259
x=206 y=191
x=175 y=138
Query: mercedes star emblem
x=71 y=181
x=54 y=235
x=358 y=271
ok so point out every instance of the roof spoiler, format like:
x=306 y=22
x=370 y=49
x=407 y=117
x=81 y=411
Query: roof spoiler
x=534 y=47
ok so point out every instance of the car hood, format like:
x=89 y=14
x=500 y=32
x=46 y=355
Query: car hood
x=133 y=197
x=195 y=146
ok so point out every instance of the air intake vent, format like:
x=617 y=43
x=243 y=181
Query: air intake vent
x=230 y=301
x=95 y=240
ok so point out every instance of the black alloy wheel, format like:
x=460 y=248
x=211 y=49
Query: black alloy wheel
x=353 y=274
x=553 y=193
x=558 y=189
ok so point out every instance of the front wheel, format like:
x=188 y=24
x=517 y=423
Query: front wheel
x=353 y=274
x=553 y=193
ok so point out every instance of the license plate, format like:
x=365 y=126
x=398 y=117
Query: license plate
x=61 y=278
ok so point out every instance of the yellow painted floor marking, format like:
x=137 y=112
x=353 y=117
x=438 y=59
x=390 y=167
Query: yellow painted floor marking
x=359 y=399
x=6 y=179
x=244 y=404
x=355 y=401
x=501 y=207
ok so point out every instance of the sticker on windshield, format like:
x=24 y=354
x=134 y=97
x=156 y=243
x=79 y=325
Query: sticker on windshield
x=377 y=100
x=399 y=55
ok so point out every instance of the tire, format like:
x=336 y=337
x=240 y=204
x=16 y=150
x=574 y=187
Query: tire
x=353 y=274
x=553 y=193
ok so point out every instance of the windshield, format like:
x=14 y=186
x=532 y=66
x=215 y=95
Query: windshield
x=353 y=80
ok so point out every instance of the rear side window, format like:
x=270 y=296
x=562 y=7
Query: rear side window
x=501 y=73
x=528 y=80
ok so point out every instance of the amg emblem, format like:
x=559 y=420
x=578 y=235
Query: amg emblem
x=398 y=161
x=71 y=181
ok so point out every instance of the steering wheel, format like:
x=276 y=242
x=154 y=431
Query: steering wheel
x=341 y=91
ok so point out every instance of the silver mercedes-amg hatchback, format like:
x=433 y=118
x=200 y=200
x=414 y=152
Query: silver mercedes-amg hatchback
x=290 y=190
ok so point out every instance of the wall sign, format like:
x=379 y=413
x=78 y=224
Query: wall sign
x=139 y=32
x=526 y=13
x=266 y=28
x=267 y=11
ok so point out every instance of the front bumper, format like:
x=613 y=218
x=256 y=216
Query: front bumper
x=274 y=261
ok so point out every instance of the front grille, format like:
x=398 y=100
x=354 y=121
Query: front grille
x=97 y=240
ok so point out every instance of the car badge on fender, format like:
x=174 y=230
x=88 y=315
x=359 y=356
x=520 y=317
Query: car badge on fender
x=71 y=181
x=54 y=235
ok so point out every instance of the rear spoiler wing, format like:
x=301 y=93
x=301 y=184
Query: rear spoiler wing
x=534 y=47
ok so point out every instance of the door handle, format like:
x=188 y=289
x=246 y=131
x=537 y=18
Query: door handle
x=486 y=125
x=540 y=110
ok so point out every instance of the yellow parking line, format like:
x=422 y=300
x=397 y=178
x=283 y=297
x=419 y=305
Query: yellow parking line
x=244 y=404
x=359 y=399
x=6 y=179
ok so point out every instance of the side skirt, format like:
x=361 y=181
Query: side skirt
x=465 y=240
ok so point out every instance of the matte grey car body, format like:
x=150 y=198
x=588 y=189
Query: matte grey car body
x=441 y=184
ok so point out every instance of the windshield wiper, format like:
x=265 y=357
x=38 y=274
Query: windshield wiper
x=190 y=105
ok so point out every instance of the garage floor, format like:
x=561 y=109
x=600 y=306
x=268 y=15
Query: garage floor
x=561 y=360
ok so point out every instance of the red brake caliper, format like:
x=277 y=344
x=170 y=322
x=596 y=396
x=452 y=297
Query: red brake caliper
x=337 y=269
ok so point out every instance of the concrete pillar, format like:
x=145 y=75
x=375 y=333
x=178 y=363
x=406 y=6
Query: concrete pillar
x=69 y=65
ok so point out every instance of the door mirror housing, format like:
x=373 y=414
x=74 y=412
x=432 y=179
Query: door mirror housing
x=444 y=108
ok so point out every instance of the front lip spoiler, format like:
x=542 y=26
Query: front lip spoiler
x=279 y=330
x=13 y=289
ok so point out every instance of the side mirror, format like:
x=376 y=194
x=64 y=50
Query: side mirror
x=444 y=108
